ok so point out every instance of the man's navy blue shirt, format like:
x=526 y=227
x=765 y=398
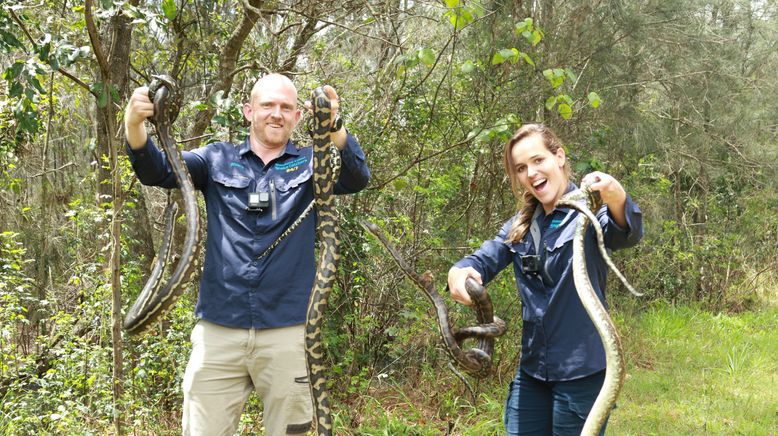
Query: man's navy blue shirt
x=559 y=342
x=238 y=288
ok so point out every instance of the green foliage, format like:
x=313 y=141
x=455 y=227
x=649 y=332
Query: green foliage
x=24 y=87
x=8 y=41
x=229 y=116
x=460 y=14
x=15 y=291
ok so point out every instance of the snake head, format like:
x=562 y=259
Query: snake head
x=321 y=104
x=593 y=200
x=163 y=92
x=586 y=196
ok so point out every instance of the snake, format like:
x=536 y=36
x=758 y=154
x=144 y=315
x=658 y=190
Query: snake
x=585 y=201
x=476 y=361
x=326 y=169
x=156 y=299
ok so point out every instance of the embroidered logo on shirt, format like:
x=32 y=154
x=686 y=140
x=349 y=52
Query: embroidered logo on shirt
x=292 y=165
x=235 y=164
x=555 y=223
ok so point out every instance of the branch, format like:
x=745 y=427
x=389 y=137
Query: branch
x=659 y=80
x=417 y=161
x=336 y=24
x=53 y=170
x=94 y=38
x=21 y=24
x=32 y=42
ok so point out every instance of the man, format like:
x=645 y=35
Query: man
x=251 y=308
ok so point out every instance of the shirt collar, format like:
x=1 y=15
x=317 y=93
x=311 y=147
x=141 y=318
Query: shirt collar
x=289 y=149
x=570 y=187
x=568 y=211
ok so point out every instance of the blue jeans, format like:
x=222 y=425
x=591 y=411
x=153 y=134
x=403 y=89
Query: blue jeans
x=536 y=407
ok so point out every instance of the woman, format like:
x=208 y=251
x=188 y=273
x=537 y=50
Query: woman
x=562 y=361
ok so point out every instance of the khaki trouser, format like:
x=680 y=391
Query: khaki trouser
x=227 y=364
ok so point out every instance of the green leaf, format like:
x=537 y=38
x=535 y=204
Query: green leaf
x=514 y=57
x=427 y=56
x=8 y=40
x=44 y=47
x=565 y=111
x=102 y=97
x=169 y=9
x=528 y=36
x=537 y=35
x=527 y=59
x=571 y=74
x=400 y=71
x=506 y=54
x=565 y=98
x=452 y=3
x=467 y=67
x=523 y=26
x=555 y=77
x=550 y=102
x=594 y=99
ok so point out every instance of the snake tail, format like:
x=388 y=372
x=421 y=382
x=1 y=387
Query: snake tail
x=585 y=201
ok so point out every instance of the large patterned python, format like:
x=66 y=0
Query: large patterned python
x=156 y=298
x=585 y=201
x=326 y=168
x=476 y=361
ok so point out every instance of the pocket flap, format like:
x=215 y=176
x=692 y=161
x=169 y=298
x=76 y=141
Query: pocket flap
x=231 y=180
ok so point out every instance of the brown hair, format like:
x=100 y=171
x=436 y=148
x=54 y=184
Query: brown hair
x=525 y=201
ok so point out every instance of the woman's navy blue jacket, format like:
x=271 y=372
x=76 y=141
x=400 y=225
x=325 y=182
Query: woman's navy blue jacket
x=559 y=341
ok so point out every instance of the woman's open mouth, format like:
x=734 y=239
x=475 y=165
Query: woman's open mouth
x=540 y=185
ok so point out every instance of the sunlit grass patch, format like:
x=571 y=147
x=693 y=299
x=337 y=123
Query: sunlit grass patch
x=693 y=372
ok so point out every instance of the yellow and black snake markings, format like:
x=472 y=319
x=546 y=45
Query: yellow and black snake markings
x=326 y=168
x=156 y=299
x=585 y=201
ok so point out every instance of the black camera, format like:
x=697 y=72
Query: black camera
x=258 y=201
x=531 y=264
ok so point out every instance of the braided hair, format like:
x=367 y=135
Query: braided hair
x=526 y=203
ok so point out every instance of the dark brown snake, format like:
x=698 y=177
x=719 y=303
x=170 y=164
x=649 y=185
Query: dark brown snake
x=476 y=361
x=326 y=169
x=585 y=201
x=155 y=298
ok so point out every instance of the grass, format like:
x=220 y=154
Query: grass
x=690 y=372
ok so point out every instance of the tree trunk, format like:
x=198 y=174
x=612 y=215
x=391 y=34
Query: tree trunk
x=227 y=65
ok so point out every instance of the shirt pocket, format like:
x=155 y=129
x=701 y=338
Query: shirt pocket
x=559 y=249
x=286 y=189
x=286 y=182
x=232 y=191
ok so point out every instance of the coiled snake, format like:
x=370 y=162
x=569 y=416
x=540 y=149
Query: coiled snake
x=585 y=201
x=326 y=169
x=155 y=298
x=476 y=361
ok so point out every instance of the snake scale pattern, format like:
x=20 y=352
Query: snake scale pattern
x=476 y=361
x=155 y=298
x=585 y=201
x=326 y=169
